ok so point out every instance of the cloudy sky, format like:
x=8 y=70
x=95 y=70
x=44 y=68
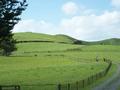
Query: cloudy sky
x=81 y=19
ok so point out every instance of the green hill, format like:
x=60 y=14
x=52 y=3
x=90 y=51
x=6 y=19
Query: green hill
x=59 y=38
x=28 y=36
x=112 y=41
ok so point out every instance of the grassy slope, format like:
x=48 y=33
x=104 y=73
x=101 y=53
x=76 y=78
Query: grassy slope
x=43 y=37
x=39 y=63
x=112 y=41
x=43 y=70
x=28 y=36
x=54 y=63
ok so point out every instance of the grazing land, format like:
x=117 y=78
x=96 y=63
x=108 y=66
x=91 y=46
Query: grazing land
x=40 y=63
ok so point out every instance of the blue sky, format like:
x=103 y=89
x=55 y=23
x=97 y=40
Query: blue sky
x=81 y=19
x=50 y=10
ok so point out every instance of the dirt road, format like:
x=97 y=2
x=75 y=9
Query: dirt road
x=112 y=83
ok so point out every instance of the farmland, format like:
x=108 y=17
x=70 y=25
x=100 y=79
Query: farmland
x=39 y=63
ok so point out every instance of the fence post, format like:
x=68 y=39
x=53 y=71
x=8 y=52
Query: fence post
x=89 y=80
x=77 y=86
x=59 y=87
x=18 y=87
x=96 y=76
x=101 y=74
x=83 y=83
x=0 y=87
x=68 y=86
x=92 y=78
x=15 y=87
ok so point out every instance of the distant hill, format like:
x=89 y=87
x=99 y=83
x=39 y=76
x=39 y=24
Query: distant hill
x=59 y=38
x=112 y=41
x=37 y=37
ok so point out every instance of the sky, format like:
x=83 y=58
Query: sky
x=88 y=20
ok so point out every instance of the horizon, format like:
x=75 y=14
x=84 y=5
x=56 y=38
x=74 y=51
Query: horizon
x=66 y=35
x=81 y=19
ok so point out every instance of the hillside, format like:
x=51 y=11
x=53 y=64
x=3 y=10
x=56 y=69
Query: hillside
x=112 y=41
x=59 y=38
x=28 y=36
x=42 y=66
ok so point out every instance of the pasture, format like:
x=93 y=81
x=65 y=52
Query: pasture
x=53 y=63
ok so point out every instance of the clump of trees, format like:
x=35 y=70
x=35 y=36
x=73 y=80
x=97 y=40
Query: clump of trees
x=10 y=10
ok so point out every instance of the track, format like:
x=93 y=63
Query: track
x=112 y=83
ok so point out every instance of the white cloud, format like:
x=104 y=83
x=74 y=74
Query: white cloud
x=93 y=27
x=116 y=3
x=90 y=27
x=70 y=8
x=35 y=26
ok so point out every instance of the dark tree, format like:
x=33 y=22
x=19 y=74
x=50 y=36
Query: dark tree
x=10 y=10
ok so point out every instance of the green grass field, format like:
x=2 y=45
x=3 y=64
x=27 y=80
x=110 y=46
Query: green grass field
x=53 y=63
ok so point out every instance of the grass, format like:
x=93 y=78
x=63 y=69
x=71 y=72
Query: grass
x=112 y=41
x=110 y=73
x=54 y=63
x=45 y=71
x=28 y=47
x=28 y=36
x=118 y=88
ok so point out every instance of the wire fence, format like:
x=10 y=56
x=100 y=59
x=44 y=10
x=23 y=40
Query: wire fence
x=78 y=85
x=10 y=87
x=85 y=82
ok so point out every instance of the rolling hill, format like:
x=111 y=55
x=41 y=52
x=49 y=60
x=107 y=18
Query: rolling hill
x=42 y=66
x=112 y=41
x=37 y=37
x=59 y=38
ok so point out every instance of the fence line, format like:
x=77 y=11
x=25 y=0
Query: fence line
x=78 y=85
x=85 y=82
x=9 y=87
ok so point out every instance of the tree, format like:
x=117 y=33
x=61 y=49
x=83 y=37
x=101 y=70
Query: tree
x=10 y=10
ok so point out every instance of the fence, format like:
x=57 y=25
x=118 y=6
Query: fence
x=78 y=85
x=9 y=87
x=83 y=83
